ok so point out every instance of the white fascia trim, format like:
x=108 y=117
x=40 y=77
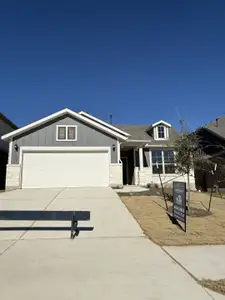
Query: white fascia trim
x=161 y=122
x=62 y=149
x=58 y=114
x=141 y=141
x=83 y=113
x=66 y=139
x=10 y=153
x=158 y=146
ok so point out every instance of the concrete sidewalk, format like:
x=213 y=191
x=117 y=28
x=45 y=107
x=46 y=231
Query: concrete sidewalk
x=100 y=268
x=202 y=261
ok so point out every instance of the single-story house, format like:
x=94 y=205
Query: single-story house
x=6 y=126
x=69 y=149
x=212 y=141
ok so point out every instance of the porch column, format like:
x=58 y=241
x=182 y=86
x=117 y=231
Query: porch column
x=118 y=152
x=141 y=158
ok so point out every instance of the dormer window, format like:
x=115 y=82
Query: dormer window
x=161 y=132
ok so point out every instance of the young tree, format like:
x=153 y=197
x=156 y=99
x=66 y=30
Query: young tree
x=189 y=155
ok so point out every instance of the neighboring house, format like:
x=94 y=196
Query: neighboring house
x=69 y=149
x=212 y=141
x=6 y=126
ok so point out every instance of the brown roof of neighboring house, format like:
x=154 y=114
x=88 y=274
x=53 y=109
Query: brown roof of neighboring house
x=6 y=120
x=217 y=127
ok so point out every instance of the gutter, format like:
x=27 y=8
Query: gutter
x=148 y=143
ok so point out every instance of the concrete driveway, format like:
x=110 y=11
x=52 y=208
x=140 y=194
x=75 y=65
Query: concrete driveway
x=114 y=261
x=109 y=217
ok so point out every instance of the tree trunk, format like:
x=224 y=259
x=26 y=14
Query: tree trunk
x=189 y=193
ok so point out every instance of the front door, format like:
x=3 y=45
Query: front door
x=125 y=170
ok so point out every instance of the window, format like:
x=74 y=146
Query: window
x=161 y=132
x=71 y=133
x=145 y=158
x=66 y=133
x=61 y=133
x=136 y=158
x=163 y=162
x=157 y=162
x=169 y=162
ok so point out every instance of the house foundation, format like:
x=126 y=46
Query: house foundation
x=13 y=175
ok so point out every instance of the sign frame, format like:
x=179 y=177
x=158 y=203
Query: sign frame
x=179 y=202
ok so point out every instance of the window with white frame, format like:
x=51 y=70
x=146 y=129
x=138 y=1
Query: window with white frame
x=66 y=133
x=169 y=165
x=157 y=162
x=161 y=132
x=163 y=162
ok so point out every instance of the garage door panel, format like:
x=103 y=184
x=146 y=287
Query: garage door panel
x=65 y=169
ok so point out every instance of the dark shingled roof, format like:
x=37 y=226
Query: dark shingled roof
x=217 y=127
x=6 y=120
x=138 y=132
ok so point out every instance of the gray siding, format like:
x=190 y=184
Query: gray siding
x=46 y=136
x=4 y=128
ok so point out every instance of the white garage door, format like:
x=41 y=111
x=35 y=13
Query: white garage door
x=65 y=169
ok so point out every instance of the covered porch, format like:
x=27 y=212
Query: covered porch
x=132 y=160
x=142 y=163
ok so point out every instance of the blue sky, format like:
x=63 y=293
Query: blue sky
x=139 y=60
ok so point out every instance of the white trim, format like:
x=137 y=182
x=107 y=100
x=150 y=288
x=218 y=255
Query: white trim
x=141 y=158
x=141 y=141
x=158 y=146
x=10 y=153
x=118 y=151
x=62 y=149
x=150 y=158
x=58 y=114
x=161 y=122
x=163 y=163
x=66 y=139
x=83 y=113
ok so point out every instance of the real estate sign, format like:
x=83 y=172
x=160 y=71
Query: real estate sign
x=179 y=201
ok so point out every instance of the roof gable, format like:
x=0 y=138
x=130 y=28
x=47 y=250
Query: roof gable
x=59 y=114
x=161 y=122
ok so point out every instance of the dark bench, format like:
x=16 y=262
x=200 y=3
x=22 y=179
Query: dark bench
x=36 y=215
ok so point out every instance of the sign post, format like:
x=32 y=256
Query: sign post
x=160 y=179
x=179 y=202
